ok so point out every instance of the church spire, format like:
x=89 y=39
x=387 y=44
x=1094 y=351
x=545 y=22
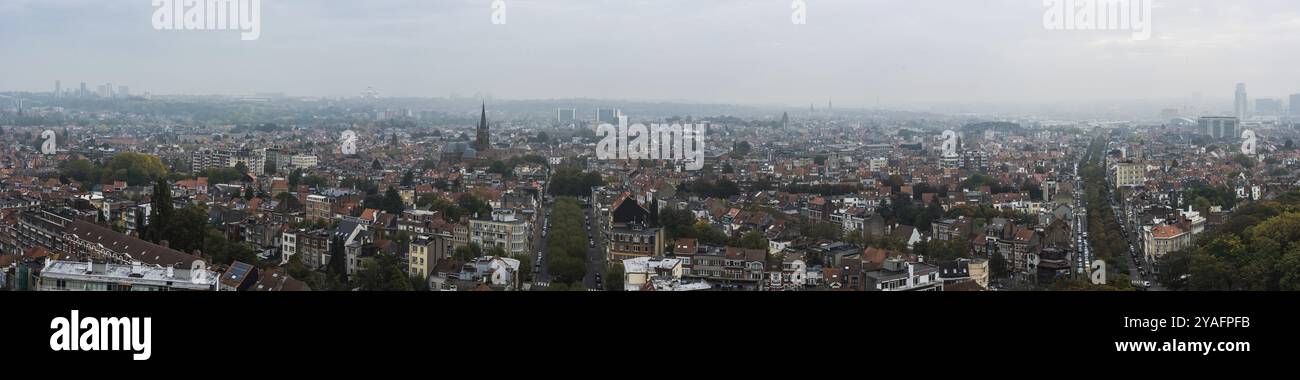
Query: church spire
x=483 y=143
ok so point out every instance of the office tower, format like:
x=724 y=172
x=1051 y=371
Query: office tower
x=58 y=89
x=1268 y=107
x=566 y=116
x=785 y=120
x=607 y=115
x=1219 y=127
x=1295 y=105
x=83 y=90
x=1240 y=105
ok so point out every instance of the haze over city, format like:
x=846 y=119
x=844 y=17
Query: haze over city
x=857 y=53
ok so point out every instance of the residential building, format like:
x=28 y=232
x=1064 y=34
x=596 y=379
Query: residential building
x=639 y=271
x=425 y=251
x=92 y=276
x=502 y=230
x=1128 y=174
x=900 y=275
x=1160 y=240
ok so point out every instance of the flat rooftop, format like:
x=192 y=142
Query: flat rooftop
x=120 y=273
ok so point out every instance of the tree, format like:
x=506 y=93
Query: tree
x=467 y=252
x=740 y=149
x=248 y=193
x=294 y=178
x=525 y=266
x=161 y=207
x=80 y=170
x=241 y=168
x=654 y=213
x=338 y=266
x=1244 y=160
x=472 y=205
x=408 y=179
x=678 y=223
x=501 y=168
x=384 y=273
x=375 y=165
x=722 y=188
x=569 y=181
x=186 y=230
x=224 y=251
x=134 y=168
x=824 y=230
x=752 y=240
x=392 y=202
x=997 y=265
x=426 y=200
x=220 y=175
x=567 y=249
x=313 y=181
x=1289 y=267
x=614 y=277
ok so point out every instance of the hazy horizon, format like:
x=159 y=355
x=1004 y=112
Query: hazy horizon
x=858 y=54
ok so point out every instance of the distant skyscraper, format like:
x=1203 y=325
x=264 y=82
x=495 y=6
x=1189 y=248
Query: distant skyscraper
x=1240 y=106
x=785 y=120
x=566 y=116
x=607 y=115
x=1268 y=107
x=58 y=89
x=83 y=90
x=1219 y=127
x=1295 y=105
x=483 y=142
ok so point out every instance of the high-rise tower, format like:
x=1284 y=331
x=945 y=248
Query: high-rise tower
x=1240 y=105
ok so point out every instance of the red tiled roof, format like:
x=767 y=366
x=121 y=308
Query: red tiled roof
x=1166 y=231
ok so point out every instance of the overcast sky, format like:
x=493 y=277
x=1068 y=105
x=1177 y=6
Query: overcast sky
x=857 y=52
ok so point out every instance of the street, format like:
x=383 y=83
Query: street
x=595 y=260
x=595 y=252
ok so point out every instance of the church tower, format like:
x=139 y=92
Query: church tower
x=483 y=142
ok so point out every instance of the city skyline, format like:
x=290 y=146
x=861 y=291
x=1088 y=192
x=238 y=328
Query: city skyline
x=863 y=55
